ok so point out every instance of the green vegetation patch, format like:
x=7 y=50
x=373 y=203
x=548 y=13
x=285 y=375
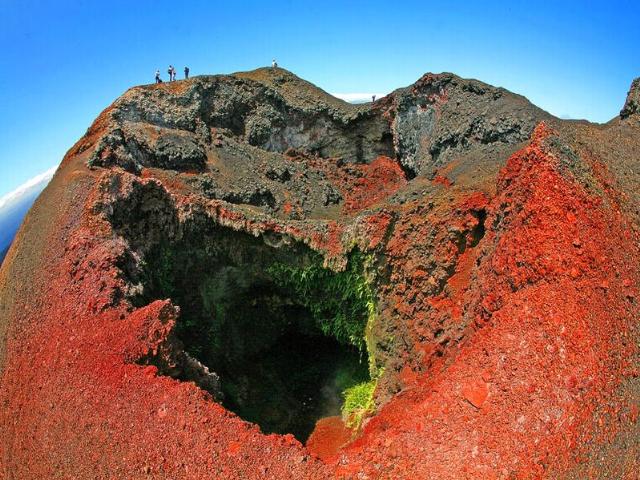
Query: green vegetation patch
x=358 y=403
x=341 y=303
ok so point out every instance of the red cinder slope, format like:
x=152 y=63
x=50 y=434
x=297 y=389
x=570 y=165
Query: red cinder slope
x=553 y=297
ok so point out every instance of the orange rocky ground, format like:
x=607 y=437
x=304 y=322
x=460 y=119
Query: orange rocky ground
x=506 y=266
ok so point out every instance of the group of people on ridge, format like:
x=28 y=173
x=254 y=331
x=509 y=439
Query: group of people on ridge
x=172 y=74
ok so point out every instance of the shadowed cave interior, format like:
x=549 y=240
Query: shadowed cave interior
x=284 y=334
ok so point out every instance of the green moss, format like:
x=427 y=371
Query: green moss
x=341 y=303
x=158 y=270
x=358 y=402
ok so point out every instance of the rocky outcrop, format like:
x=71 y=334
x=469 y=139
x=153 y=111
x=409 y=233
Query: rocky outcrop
x=156 y=128
x=461 y=260
x=632 y=105
x=439 y=116
x=442 y=116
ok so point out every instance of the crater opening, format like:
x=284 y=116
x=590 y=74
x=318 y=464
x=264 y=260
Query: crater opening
x=285 y=335
x=477 y=233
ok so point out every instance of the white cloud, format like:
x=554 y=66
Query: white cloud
x=358 y=97
x=43 y=177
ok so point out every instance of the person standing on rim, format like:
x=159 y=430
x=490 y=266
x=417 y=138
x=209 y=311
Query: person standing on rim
x=158 y=80
x=274 y=64
x=170 y=71
x=186 y=72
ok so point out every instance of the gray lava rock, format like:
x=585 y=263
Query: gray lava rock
x=441 y=116
x=632 y=105
x=251 y=135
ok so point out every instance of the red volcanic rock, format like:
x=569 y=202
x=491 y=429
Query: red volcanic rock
x=143 y=331
x=476 y=392
x=329 y=435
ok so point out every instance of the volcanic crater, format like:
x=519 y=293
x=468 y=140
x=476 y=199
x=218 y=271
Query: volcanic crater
x=243 y=276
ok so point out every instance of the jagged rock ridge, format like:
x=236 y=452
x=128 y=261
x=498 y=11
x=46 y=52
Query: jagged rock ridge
x=632 y=105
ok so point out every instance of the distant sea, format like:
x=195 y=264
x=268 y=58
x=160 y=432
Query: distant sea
x=15 y=206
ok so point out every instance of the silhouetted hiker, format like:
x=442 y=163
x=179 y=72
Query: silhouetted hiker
x=186 y=72
x=274 y=64
x=373 y=98
x=158 y=79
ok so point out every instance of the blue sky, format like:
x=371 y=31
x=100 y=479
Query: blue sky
x=62 y=62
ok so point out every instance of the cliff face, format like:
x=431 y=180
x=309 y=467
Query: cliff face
x=632 y=105
x=250 y=244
